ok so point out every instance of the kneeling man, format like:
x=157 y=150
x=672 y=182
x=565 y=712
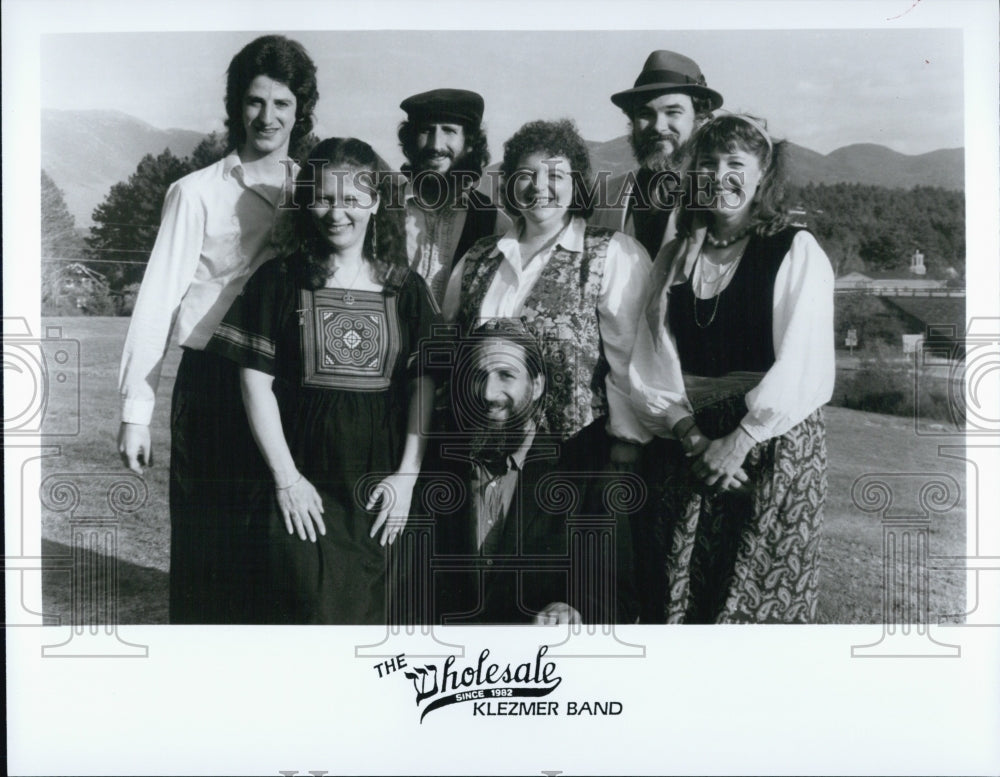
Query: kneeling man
x=499 y=555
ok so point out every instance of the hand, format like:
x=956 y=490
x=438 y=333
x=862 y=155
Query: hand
x=302 y=508
x=393 y=495
x=135 y=447
x=624 y=455
x=694 y=443
x=692 y=439
x=558 y=614
x=737 y=483
x=724 y=457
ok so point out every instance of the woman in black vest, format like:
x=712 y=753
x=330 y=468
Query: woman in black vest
x=730 y=369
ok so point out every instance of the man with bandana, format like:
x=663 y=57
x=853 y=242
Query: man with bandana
x=499 y=556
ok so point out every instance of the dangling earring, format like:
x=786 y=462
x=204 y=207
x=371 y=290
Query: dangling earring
x=374 y=240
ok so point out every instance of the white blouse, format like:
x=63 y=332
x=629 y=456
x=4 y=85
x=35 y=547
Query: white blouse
x=619 y=306
x=799 y=381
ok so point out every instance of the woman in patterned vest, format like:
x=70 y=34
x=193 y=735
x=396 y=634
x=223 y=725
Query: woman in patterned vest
x=731 y=366
x=579 y=289
x=327 y=341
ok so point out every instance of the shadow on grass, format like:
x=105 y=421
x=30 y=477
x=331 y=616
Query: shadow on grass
x=142 y=591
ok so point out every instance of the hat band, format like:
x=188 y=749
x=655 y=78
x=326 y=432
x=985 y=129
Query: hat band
x=667 y=77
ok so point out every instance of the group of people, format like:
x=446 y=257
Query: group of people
x=395 y=345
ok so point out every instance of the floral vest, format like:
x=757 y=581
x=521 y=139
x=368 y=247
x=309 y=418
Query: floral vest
x=561 y=311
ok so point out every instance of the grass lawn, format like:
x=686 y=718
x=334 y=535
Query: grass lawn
x=852 y=556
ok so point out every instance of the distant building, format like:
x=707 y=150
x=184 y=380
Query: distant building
x=937 y=323
x=917 y=263
x=797 y=216
x=887 y=282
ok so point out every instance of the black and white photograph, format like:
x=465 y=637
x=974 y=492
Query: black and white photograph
x=375 y=373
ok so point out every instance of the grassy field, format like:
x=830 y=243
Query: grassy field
x=852 y=555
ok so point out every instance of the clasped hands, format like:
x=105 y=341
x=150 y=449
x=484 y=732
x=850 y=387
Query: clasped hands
x=717 y=463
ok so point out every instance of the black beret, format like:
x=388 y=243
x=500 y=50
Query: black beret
x=453 y=105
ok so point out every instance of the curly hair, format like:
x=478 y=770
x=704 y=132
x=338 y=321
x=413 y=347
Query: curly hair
x=384 y=245
x=731 y=132
x=474 y=160
x=280 y=59
x=556 y=138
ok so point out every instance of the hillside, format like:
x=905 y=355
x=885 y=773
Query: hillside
x=86 y=152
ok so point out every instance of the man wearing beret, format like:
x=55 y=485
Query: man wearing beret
x=667 y=103
x=446 y=150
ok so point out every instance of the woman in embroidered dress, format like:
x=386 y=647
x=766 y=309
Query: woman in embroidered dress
x=327 y=339
x=729 y=371
x=579 y=288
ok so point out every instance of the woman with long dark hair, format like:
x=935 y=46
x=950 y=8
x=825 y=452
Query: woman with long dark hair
x=730 y=370
x=328 y=339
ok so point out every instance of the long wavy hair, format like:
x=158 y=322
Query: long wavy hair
x=384 y=246
x=555 y=138
x=474 y=160
x=732 y=132
x=280 y=59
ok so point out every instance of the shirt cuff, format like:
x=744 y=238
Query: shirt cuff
x=137 y=411
x=759 y=431
x=622 y=421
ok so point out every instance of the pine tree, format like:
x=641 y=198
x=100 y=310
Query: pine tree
x=125 y=224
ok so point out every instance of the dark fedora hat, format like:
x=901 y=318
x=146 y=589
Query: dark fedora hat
x=667 y=71
x=450 y=105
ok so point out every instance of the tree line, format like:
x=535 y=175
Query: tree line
x=875 y=229
x=861 y=227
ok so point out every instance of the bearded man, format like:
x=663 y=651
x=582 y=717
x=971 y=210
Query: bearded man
x=498 y=556
x=667 y=103
x=445 y=146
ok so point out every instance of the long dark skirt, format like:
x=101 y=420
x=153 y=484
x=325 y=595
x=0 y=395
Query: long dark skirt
x=734 y=558
x=339 y=579
x=216 y=473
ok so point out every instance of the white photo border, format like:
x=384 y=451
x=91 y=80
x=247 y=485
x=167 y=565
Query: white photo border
x=253 y=700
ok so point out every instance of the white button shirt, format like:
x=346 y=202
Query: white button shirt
x=215 y=231
x=802 y=376
x=620 y=301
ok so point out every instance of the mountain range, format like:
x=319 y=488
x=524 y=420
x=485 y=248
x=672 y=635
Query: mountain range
x=87 y=152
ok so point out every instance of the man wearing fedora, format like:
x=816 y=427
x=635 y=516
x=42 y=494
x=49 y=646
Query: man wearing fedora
x=668 y=101
x=445 y=147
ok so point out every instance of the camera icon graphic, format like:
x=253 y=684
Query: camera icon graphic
x=957 y=381
x=42 y=382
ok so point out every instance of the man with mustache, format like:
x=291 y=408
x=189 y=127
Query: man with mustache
x=668 y=102
x=446 y=150
x=496 y=551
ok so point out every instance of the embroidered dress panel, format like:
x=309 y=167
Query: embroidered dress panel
x=345 y=345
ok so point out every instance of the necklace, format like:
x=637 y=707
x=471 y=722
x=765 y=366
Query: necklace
x=348 y=298
x=717 y=243
x=716 y=284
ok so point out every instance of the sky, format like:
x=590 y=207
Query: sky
x=821 y=89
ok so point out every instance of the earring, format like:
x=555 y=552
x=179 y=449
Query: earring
x=374 y=240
